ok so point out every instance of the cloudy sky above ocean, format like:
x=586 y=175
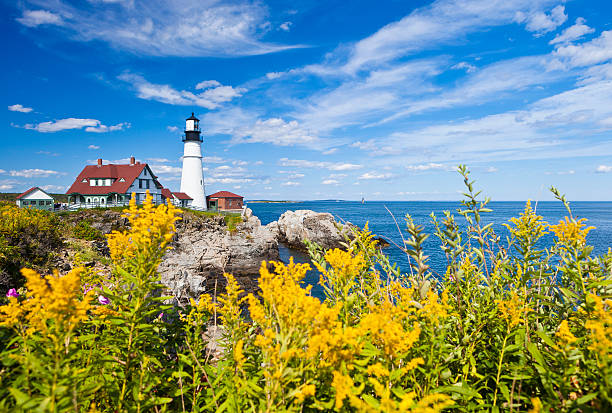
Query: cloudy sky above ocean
x=314 y=99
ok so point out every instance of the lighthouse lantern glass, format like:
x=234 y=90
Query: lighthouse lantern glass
x=190 y=125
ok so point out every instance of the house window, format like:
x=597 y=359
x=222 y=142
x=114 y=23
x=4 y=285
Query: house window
x=121 y=180
x=92 y=182
x=84 y=180
x=48 y=202
x=41 y=202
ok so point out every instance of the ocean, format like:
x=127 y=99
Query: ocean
x=381 y=223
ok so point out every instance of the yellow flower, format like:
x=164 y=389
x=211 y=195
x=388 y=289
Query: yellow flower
x=52 y=302
x=151 y=229
x=571 y=233
x=304 y=392
x=564 y=334
x=600 y=327
x=344 y=388
x=528 y=227
x=238 y=354
x=512 y=310
x=537 y=405
x=378 y=370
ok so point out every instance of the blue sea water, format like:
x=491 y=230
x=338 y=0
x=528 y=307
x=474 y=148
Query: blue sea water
x=381 y=222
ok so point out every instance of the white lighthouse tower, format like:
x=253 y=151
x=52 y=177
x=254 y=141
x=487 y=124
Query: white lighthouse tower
x=192 y=179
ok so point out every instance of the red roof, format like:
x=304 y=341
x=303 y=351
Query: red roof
x=28 y=191
x=224 y=194
x=128 y=172
x=166 y=193
x=181 y=195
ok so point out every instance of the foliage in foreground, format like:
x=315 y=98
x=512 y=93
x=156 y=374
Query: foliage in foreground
x=510 y=327
x=28 y=238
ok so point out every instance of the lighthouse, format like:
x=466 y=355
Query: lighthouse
x=192 y=178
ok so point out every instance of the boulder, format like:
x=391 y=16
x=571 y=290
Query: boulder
x=204 y=249
x=296 y=226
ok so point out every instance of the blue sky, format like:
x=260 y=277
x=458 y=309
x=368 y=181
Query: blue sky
x=314 y=100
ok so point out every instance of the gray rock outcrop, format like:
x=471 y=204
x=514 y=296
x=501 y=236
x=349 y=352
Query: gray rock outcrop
x=204 y=249
x=296 y=226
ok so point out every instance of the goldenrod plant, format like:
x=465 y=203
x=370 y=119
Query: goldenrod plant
x=512 y=325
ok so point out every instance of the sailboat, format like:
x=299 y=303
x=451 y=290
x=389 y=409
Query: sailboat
x=362 y=200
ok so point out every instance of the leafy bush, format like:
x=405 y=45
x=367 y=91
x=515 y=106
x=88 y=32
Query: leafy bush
x=28 y=238
x=510 y=327
x=84 y=230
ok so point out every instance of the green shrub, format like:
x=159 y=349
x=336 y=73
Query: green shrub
x=84 y=230
x=28 y=238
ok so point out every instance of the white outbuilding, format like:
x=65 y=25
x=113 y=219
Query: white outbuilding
x=35 y=198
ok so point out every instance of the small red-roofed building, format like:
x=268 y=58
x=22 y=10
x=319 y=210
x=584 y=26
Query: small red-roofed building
x=113 y=185
x=225 y=201
x=179 y=199
x=35 y=198
x=183 y=200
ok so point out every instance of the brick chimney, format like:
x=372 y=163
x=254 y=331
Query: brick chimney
x=99 y=162
x=132 y=160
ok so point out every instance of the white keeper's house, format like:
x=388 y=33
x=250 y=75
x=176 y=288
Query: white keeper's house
x=113 y=185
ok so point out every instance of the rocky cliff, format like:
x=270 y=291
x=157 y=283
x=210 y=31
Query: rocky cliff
x=205 y=247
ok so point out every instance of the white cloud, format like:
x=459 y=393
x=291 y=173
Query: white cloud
x=51 y=188
x=172 y=128
x=330 y=151
x=444 y=22
x=90 y=125
x=330 y=182
x=207 y=84
x=259 y=163
x=163 y=28
x=604 y=169
x=34 y=173
x=213 y=159
x=273 y=75
x=541 y=22
x=570 y=172
x=166 y=170
x=332 y=166
x=35 y=18
x=4 y=187
x=428 y=167
x=492 y=169
x=563 y=125
x=493 y=82
x=572 y=33
x=103 y=128
x=48 y=153
x=93 y=147
x=159 y=160
x=19 y=108
x=285 y=26
x=465 y=66
x=210 y=98
x=277 y=132
x=290 y=183
x=376 y=175
x=589 y=53
x=296 y=176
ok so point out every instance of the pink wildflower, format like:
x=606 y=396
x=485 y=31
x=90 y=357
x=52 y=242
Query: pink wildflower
x=103 y=300
x=12 y=293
